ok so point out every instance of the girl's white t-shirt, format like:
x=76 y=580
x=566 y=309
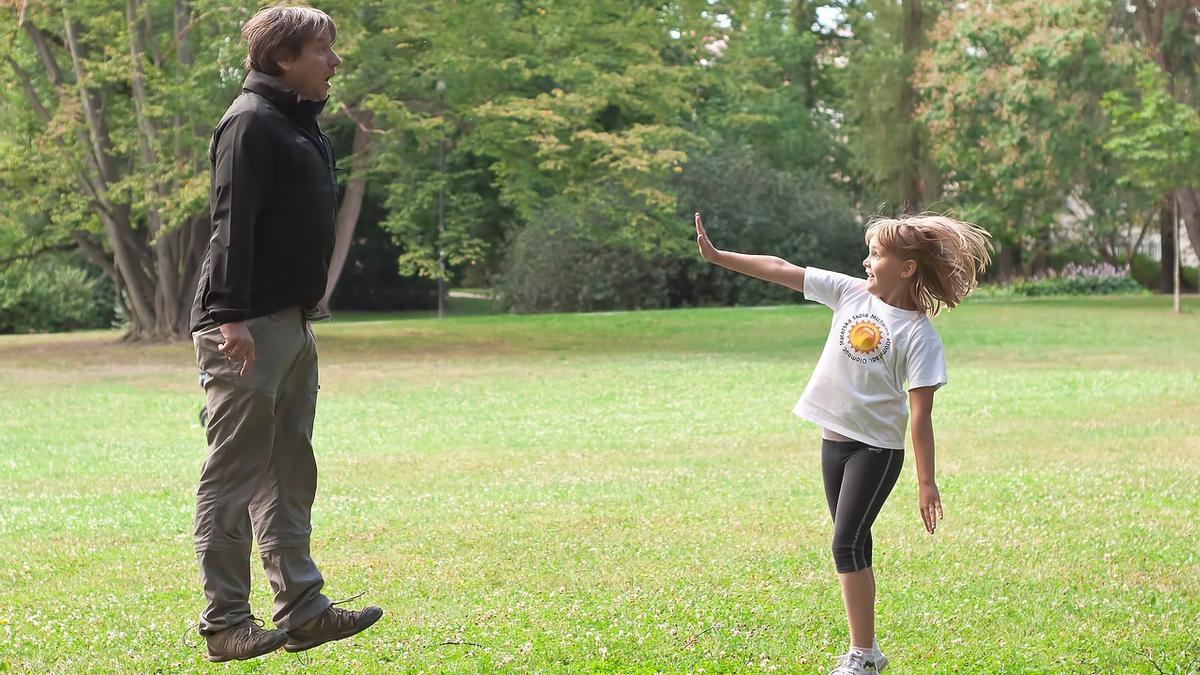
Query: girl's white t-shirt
x=858 y=387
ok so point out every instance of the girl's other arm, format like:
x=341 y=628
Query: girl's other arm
x=929 y=501
x=765 y=267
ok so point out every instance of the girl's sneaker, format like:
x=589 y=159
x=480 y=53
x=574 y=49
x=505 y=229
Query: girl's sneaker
x=859 y=662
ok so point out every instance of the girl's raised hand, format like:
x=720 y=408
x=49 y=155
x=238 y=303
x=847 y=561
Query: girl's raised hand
x=707 y=250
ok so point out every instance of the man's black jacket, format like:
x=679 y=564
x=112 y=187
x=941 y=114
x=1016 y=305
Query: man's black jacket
x=273 y=199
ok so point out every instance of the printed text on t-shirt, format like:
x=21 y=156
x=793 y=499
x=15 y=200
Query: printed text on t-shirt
x=864 y=338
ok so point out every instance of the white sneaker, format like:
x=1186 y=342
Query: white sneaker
x=881 y=661
x=859 y=662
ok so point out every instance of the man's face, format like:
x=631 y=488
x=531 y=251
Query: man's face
x=309 y=72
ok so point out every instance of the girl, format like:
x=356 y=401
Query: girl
x=881 y=345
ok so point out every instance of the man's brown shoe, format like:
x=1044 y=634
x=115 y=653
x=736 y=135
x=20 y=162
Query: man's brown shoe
x=332 y=624
x=246 y=640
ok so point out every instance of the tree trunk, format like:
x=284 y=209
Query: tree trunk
x=166 y=266
x=351 y=206
x=1008 y=260
x=1166 y=230
x=1189 y=213
x=116 y=219
x=1133 y=247
x=192 y=238
x=911 y=198
x=193 y=244
x=153 y=266
x=1168 y=27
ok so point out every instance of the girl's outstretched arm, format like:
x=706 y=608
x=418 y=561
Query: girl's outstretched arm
x=765 y=267
x=929 y=501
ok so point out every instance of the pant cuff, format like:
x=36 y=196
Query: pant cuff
x=299 y=617
x=277 y=544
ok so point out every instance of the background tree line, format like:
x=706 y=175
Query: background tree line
x=554 y=150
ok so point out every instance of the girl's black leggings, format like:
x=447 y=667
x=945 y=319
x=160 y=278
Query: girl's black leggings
x=858 y=478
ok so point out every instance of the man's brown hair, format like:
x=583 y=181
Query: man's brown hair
x=279 y=32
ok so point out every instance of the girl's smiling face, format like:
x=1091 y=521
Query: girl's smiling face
x=886 y=273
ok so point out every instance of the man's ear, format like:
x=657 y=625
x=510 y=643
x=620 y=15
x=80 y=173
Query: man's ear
x=910 y=268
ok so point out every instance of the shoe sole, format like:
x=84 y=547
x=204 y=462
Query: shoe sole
x=223 y=659
x=304 y=646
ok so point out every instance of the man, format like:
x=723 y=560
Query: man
x=273 y=202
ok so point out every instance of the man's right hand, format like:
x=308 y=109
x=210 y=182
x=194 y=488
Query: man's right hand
x=238 y=344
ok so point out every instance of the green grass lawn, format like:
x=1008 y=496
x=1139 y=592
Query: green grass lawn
x=629 y=492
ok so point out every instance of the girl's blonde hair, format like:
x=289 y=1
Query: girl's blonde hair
x=950 y=254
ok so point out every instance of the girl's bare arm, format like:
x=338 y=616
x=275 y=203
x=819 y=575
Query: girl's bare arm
x=929 y=501
x=765 y=267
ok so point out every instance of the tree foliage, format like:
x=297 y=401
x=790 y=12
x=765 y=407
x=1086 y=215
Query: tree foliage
x=1012 y=97
x=1057 y=125
x=104 y=146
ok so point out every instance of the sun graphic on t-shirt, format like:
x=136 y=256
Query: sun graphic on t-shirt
x=864 y=336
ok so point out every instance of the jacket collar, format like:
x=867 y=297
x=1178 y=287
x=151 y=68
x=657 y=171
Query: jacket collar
x=274 y=90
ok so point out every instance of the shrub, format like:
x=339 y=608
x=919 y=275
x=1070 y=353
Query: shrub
x=1098 y=279
x=1145 y=270
x=1148 y=273
x=555 y=265
x=751 y=207
x=559 y=263
x=52 y=294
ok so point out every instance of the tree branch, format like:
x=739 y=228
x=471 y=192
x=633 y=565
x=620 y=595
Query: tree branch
x=181 y=25
x=91 y=106
x=116 y=222
x=182 y=28
x=30 y=255
x=137 y=50
x=347 y=214
x=128 y=263
x=144 y=28
x=30 y=92
x=85 y=183
x=39 y=43
x=54 y=74
x=1141 y=235
x=1160 y=13
x=165 y=267
x=361 y=121
x=194 y=238
x=96 y=254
